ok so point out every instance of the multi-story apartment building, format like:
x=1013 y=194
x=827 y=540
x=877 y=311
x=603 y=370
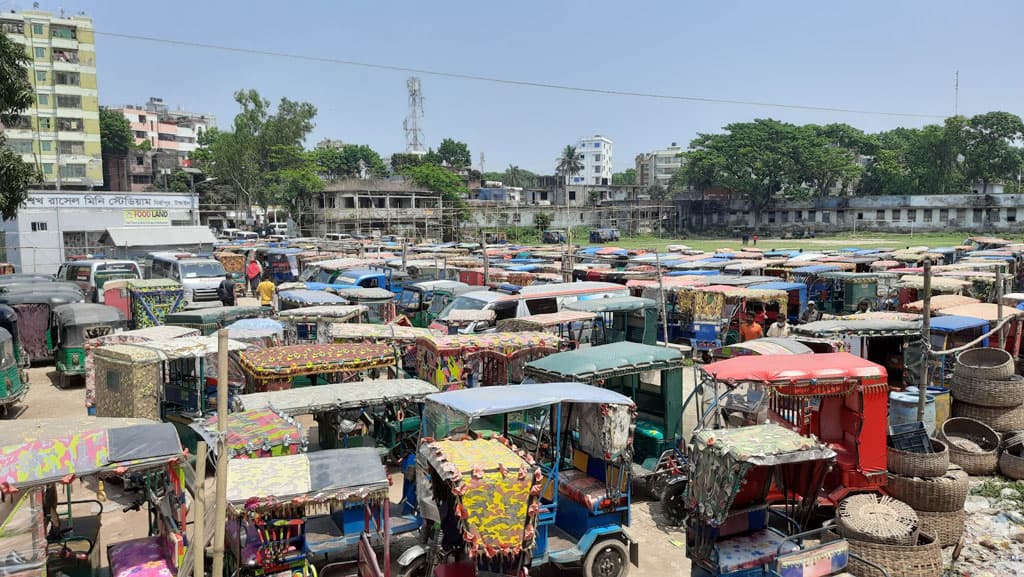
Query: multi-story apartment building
x=595 y=153
x=658 y=166
x=60 y=133
x=167 y=130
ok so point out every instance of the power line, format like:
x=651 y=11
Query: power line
x=512 y=82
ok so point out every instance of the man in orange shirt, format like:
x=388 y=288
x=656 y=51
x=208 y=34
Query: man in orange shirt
x=750 y=330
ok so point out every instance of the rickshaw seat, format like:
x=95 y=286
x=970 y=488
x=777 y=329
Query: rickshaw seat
x=146 y=557
x=585 y=482
x=749 y=550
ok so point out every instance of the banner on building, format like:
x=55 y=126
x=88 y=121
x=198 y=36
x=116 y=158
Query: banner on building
x=150 y=217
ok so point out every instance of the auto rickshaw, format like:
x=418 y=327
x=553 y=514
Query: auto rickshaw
x=297 y=366
x=651 y=376
x=34 y=309
x=457 y=361
x=762 y=346
x=403 y=338
x=632 y=319
x=423 y=301
x=312 y=325
x=750 y=495
x=382 y=413
x=48 y=531
x=1009 y=337
x=145 y=303
x=838 y=398
x=157 y=333
x=909 y=287
x=300 y=298
x=715 y=313
x=209 y=320
x=950 y=332
x=288 y=514
x=796 y=294
x=559 y=458
x=380 y=303
x=13 y=388
x=576 y=328
x=71 y=326
x=234 y=263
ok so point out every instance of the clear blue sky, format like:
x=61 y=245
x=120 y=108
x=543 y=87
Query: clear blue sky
x=888 y=56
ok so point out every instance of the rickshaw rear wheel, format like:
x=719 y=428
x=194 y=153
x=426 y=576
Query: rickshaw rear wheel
x=608 y=558
x=673 y=501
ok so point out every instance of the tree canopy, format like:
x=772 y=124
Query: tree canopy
x=454 y=154
x=348 y=161
x=116 y=136
x=16 y=176
x=453 y=193
x=625 y=177
x=568 y=163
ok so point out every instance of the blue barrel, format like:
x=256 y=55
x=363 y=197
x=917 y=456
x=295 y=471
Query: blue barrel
x=903 y=409
x=943 y=402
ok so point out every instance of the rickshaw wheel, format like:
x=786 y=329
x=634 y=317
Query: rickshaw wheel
x=608 y=558
x=417 y=568
x=673 y=501
x=656 y=486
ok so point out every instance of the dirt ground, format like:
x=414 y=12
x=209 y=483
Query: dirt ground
x=662 y=552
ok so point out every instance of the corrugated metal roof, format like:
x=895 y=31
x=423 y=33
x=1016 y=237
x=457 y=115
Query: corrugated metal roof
x=158 y=236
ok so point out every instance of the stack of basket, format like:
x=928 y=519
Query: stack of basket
x=1011 y=460
x=887 y=533
x=986 y=388
x=936 y=491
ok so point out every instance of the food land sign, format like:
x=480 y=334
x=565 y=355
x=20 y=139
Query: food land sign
x=151 y=216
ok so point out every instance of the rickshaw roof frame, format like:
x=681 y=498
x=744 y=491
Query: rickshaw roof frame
x=747 y=445
x=322 y=313
x=946 y=324
x=786 y=369
x=606 y=361
x=986 y=311
x=501 y=399
x=861 y=328
x=612 y=305
x=298 y=360
x=337 y=396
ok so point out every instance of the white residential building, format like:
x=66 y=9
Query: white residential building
x=658 y=166
x=595 y=153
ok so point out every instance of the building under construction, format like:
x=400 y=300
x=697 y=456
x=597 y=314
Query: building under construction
x=375 y=205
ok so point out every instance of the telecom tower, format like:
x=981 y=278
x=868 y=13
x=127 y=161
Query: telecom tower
x=413 y=130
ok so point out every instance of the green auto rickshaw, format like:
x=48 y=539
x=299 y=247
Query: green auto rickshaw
x=210 y=320
x=12 y=386
x=70 y=326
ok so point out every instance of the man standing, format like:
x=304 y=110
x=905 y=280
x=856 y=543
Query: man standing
x=266 y=291
x=810 y=314
x=779 y=328
x=252 y=272
x=750 y=330
x=226 y=291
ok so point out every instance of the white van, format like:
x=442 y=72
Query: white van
x=199 y=277
x=91 y=274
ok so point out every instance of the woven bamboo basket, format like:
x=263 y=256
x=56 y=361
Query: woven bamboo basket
x=1011 y=460
x=877 y=519
x=936 y=494
x=985 y=363
x=988 y=392
x=1000 y=419
x=973 y=445
x=910 y=464
x=923 y=559
x=947 y=527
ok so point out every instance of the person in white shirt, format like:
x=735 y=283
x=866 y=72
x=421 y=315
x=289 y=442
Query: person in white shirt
x=779 y=328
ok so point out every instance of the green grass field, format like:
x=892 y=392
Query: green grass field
x=873 y=240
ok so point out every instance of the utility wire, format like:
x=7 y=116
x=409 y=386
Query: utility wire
x=507 y=81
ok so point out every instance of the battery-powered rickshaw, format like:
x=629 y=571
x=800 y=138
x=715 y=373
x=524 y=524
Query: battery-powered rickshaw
x=950 y=332
x=51 y=529
x=379 y=302
x=311 y=325
x=423 y=301
x=576 y=328
x=1009 y=337
x=145 y=302
x=34 y=310
x=209 y=320
x=633 y=319
x=289 y=514
x=299 y=298
x=557 y=454
x=296 y=366
x=403 y=338
x=457 y=361
x=73 y=324
x=892 y=340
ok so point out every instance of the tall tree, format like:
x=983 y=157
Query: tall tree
x=990 y=155
x=454 y=154
x=116 y=135
x=349 y=161
x=453 y=193
x=568 y=164
x=823 y=159
x=16 y=176
x=625 y=177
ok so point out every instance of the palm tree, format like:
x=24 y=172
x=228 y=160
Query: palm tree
x=514 y=175
x=569 y=163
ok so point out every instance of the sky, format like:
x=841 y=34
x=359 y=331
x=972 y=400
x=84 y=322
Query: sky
x=867 y=55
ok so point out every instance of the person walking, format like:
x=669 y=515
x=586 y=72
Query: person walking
x=266 y=291
x=253 y=272
x=226 y=291
x=750 y=330
x=755 y=239
x=779 y=328
x=810 y=314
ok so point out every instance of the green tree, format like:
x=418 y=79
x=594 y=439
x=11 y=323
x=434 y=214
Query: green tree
x=16 y=176
x=453 y=195
x=542 y=220
x=625 y=177
x=989 y=154
x=568 y=164
x=116 y=136
x=348 y=161
x=454 y=154
x=823 y=159
x=402 y=160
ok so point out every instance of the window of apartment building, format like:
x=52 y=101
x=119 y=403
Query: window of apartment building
x=43 y=99
x=142 y=179
x=45 y=123
x=826 y=217
x=45 y=145
x=66 y=78
x=140 y=160
x=142 y=118
x=912 y=215
x=47 y=169
x=166 y=137
x=12 y=27
x=73 y=171
x=597 y=158
x=927 y=215
x=880 y=214
x=977 y=215
x=943 y=215
x=332 y=201
x=38 y=226
x=993 y=215
x=320 y=201
x=20 y=146
x=961 y=215
x=348 y=202
x=40 y=52
x=771 y=217
x=140 y=134
x=72 y=147
x=40 y=76
x=70 y=124
x=37 y=28
x=597 y=145
x=812 y=215
x=860 y=216
x=1011 y=215
x=69 y=101
x=65 y=32
x=65 y=56
x=572 y=195
x=583 y=157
